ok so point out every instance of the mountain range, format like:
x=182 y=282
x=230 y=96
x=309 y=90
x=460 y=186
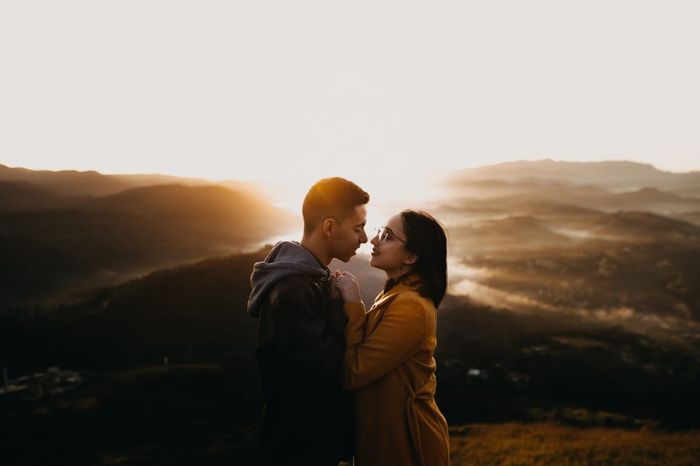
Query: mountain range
x=618 y=175
x=74 y=236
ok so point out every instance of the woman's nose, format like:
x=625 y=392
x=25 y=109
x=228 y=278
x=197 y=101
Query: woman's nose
x=375 y=240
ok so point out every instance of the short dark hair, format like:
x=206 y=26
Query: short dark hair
x=334 y=198
x=426 y=238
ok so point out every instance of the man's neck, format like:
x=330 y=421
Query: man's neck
x=316 y=248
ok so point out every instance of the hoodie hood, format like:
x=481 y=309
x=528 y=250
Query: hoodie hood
x=286 y=258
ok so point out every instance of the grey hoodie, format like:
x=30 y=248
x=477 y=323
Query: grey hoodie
x=300 y=350
x=286 y=258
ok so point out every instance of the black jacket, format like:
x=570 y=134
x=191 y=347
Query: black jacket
x=308 y=417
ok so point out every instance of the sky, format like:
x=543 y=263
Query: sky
x=385 y=93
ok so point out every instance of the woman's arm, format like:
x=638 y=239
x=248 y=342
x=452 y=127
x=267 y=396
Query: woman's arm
x=368 y=358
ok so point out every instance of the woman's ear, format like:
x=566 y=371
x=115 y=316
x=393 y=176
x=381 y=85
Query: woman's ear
x=411 y=258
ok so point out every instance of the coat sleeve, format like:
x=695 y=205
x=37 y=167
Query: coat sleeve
x=302 y=337
x=368 y=358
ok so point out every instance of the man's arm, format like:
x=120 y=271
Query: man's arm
x=300 y=334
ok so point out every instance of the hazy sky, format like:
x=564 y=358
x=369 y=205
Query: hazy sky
x=382 y=92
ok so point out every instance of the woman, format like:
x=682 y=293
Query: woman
x=389 y=357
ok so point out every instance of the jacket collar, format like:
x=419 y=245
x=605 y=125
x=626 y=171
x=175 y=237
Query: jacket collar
x=410 y=282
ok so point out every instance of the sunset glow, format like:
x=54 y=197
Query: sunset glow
x=291 y=93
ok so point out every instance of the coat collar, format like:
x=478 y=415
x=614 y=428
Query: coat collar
x=409 y=283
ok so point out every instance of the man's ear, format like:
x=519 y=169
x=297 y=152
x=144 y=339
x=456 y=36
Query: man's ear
x=328 y=227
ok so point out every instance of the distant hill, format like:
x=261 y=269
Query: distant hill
x=18 y=195
x=691 y=217
x=620 y=175
x=90 y=241
x=653 y=195
x=474 y=187
x=191 y=314
x=513 y=194
x=516 y=231
x=647 y=284
x=66 y=182
x=205 y=208
x=512 y=205
x=577 y=249
x=642 y=224
x=72 y=183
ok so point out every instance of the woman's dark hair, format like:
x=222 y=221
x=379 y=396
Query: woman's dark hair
x=426 y=238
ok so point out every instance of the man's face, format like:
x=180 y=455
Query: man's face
x=350 y=234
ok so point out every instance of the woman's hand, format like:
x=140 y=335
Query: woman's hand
x=349 y=287
x=335 y=292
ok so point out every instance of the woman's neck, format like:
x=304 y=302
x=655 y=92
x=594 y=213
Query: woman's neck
x=398 y=273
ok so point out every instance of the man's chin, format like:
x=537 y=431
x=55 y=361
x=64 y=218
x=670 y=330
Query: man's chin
x=348 y=257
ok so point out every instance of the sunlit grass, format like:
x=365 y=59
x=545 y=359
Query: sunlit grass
x=515 y=444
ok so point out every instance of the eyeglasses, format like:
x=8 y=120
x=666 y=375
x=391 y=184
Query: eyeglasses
x=385 y=233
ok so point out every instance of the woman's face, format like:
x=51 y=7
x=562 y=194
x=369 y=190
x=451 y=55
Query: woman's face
x=389 y=252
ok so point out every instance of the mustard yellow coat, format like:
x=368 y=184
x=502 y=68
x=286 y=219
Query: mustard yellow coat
x=390 y=367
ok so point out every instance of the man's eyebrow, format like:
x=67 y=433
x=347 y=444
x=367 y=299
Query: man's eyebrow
x=361 y=224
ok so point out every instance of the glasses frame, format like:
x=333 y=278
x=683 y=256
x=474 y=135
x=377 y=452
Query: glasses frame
x=384 y=233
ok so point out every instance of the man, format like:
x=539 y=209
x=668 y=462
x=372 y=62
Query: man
x=308 y=417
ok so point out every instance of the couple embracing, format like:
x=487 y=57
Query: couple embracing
x=343 y=384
